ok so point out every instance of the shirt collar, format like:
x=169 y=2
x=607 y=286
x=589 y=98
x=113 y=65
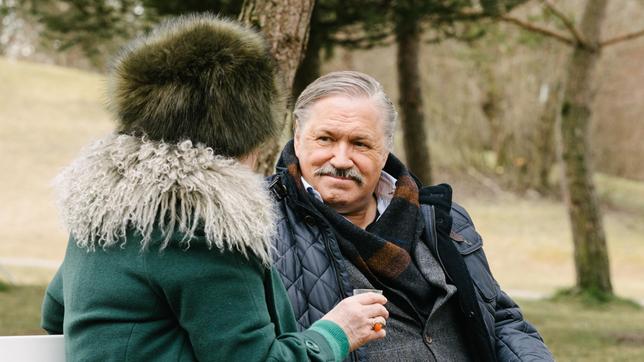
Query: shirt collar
x=384 y=191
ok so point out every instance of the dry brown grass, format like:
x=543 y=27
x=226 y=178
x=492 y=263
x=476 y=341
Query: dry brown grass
x=47 y=114
x=529 y=244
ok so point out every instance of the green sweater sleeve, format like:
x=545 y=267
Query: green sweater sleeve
x=335 y=336
x=53 y=309
x=223 y=302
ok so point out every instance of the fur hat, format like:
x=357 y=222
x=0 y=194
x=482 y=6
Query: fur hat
x=197 y=77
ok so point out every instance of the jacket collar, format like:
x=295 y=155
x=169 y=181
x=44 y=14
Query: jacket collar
x=178 y=191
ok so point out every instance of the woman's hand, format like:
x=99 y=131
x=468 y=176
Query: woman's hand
x=357 y=316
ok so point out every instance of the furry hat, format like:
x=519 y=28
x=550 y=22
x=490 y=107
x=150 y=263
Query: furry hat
x=198 y=78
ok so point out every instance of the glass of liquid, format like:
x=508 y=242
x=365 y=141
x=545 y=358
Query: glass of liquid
x=360 y=291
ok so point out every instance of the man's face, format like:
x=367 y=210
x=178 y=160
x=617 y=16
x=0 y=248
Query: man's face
x=341 y=148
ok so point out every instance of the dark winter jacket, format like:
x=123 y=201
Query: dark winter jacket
x=307 y=258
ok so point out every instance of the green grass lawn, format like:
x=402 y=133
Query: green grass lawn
x=572 y=330
x=20 y=310
x=577 y=332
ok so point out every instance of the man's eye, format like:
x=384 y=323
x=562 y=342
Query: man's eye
x=324 y=139
x=360 y=144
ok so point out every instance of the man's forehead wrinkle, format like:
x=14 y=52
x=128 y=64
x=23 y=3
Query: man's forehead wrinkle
x=340 y=116
x=351 y=131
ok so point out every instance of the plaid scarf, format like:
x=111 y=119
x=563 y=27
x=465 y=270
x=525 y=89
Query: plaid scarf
x=383 y=251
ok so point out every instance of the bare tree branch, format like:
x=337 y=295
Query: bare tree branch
x=565 y=20
x=621 y=38
x=537 y=29
x=577 y=40
x=361 y=39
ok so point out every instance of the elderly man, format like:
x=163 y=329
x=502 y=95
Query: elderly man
x=353 y=217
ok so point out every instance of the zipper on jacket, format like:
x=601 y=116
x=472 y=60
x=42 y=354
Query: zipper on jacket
x=435 y=236
x=353 y=355
x=327 y=246
x=334 y=262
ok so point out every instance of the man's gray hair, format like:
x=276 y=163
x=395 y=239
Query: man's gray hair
x=351 y=84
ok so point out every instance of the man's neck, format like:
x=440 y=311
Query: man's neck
x=364 y=216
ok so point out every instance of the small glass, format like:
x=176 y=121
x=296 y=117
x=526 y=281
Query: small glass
x=377 y=326
x=360 y=291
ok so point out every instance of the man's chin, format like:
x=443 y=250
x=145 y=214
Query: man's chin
x=337 y=196
x=340 y=206
x=343 y=200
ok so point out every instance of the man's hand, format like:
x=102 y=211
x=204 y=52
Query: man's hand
x=358 y=315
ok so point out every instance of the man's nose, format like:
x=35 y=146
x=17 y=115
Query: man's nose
x=342 y=157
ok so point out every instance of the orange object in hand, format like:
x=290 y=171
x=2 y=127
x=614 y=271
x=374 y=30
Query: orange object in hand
x=377 y=327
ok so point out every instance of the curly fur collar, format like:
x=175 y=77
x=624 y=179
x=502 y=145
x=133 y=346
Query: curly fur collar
x=122 y=182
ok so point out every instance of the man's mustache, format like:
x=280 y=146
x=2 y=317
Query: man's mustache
x=350 y=173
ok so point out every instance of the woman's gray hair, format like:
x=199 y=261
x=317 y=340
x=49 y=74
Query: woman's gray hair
x=351 y=84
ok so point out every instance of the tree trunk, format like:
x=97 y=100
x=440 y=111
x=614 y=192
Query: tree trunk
x=493 y=112
x=285 y=24
x=591 y=256
x=545 y=150
x=309 y=69
x=408 y=33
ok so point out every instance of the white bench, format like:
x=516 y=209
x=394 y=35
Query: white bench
x=32 y=349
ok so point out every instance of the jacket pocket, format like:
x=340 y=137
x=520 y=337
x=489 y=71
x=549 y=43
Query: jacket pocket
x=470 y=244
x=485 y=283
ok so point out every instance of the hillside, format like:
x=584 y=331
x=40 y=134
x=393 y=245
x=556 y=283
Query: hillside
x=47 y=114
